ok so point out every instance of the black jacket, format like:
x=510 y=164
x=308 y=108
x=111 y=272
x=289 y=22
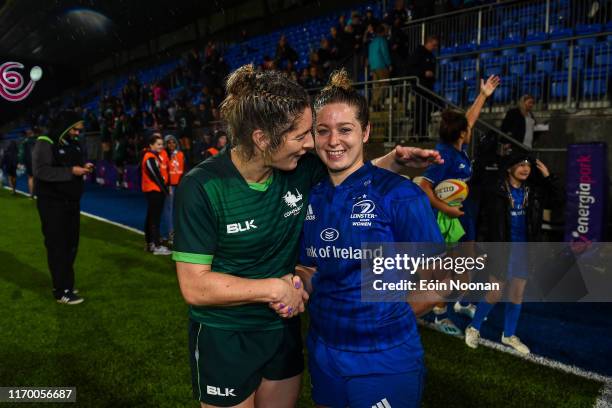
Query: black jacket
x=421 y=61
x=53 y=157
x=514 y=123
x=543 y=193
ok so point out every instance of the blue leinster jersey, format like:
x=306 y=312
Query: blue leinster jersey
x=371 y=205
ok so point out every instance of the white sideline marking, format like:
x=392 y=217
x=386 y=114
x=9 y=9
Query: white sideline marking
x=604 y=399
x=95 y=217
x=116 y=224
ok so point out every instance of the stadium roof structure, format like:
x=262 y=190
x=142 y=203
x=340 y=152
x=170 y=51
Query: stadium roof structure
x=86 y=31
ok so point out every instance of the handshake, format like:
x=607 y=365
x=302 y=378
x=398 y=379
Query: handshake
x=290 y=295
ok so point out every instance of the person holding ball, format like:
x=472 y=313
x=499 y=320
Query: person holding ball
x=455 y=135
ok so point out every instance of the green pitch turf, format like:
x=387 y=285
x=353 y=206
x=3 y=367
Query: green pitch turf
x=126 y=344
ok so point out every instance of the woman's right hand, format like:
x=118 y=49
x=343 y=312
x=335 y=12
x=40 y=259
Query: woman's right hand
x=453 y=212
x=291 y=296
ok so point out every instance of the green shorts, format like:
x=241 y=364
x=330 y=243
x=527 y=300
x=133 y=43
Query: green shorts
x=228 y=366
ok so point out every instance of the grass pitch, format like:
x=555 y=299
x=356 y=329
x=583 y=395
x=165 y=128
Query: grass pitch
x=126 y=345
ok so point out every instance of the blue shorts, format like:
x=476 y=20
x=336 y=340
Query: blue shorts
x=518 y=267
x=336 y=384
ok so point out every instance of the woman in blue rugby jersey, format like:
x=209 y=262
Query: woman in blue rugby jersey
x=455 y=136
x=361 y=354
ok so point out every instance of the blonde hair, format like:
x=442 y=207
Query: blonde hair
x=523 y=101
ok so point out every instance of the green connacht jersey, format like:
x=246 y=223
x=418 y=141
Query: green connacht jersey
x=244 y=229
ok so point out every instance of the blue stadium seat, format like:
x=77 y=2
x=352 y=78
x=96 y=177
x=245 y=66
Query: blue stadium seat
x=579 y=61
x=468 y=70
x=560 y=45
x=533 y=84
x=603 y=55
x=471 y=92
x=536 y=37
x=548 y=60
x=585 y=29
x=453 y=92
x=595 y=82
x=507 y=52
x=559 y=84
x=584 y=42
x=533 y=49
x=448 y=50
x=520 y=64
x=561 y=33
x=487 y=55
x=503 y=94
x=490 y=43
x=514 y=40
x=494 y=66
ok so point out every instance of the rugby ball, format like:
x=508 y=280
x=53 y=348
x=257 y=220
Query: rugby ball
x=452 y=191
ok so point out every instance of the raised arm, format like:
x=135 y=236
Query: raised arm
x=486 y=90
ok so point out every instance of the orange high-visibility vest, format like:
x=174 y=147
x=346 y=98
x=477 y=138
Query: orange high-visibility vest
x=161 y=159
x=176 y=167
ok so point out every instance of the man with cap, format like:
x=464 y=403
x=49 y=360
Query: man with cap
x=57 y=164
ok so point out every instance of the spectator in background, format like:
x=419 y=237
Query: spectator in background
x=159 y=94
x=369 y=18
x=154 y=171
x=325 y=56
x=341 y=26
x=203 y=115
x=176 y=169
x=340 y=43
x=219 y=144
x=422 y=64
x=379 y=60
x=519 y=122
x=284 y=51
x=399 y=11
x=9 y=164
x=290 y=71
x=314 y=79
x=399 y=49
x=25 y=153
x=201 y=146
x=268 y=64
x=422 y=9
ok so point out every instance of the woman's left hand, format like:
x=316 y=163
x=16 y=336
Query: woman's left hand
x=416 y=157
x=487 y=88
x=543 y=169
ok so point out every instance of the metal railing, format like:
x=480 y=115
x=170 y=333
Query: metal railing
x=402 y=110
x=511 y=22
x=567 y=74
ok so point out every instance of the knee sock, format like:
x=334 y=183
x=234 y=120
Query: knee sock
x=482 y=310
x=513 y=311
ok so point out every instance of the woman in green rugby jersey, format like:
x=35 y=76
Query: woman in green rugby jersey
x=238 y=219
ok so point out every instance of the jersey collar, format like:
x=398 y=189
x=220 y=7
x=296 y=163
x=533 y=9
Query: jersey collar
x=355 y=178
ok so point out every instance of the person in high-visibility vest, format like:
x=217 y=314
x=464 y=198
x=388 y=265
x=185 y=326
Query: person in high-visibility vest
x=154 y=170
x=176 y=169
